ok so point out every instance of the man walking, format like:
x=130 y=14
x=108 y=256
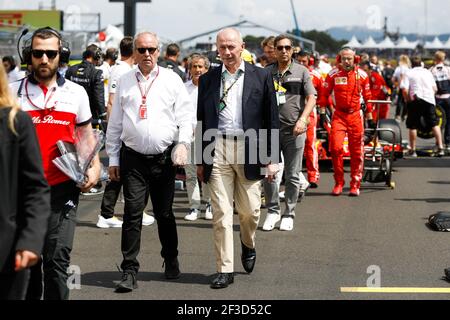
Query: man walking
x=296 y=100
x=232 y=100
x=151 y=114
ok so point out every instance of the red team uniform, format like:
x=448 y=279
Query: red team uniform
x=379 y=91
x=311 y=154
x=347 y=119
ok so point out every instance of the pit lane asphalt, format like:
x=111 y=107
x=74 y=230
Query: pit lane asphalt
x=334 y=242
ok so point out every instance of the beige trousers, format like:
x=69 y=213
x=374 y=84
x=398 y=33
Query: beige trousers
x=227 y=184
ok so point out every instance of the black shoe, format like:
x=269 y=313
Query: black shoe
x=128 y=283
x=172 y=268
x=248 y=258
x=222 y=280
x=447 y=274
x=313 y=185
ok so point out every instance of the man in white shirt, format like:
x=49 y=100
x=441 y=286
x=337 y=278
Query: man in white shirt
x=151 y=113
x=197 y=66
x=419 y=89
x=106 y=219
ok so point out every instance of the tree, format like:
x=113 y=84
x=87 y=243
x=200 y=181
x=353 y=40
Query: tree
x=253 y=44
x=324 y=42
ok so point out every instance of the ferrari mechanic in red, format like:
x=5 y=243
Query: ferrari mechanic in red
x=311 y=154
x=379 y=90
x=348 y=83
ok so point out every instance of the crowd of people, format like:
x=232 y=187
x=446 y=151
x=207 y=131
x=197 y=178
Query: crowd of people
x=158 y=115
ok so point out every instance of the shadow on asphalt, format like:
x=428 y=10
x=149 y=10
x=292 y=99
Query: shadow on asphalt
x=87 y=224
x=439 y=182
x=428 y=200
x=109 y=279
x=423 y=163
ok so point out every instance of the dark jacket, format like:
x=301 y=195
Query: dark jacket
x=24 y=192
x=169 y=64
x=259 y=111
x=91 y=79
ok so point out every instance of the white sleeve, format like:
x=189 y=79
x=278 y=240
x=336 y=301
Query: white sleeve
x=185 y=112
x=404 y=81
x=114 y=131
x=113 y=80
x=84 y=114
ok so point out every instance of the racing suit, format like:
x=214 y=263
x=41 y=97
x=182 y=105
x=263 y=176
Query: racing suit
x=311 y=154
x=379 y=91
x=347 y=119
x=91 y=79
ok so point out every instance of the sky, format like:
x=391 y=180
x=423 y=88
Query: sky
x=176 y=20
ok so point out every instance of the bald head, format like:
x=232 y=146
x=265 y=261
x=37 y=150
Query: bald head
x=230 y=33
x=347 y=58
x=230 y=46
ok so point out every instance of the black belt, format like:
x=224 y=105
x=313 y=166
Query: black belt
x=158 y=156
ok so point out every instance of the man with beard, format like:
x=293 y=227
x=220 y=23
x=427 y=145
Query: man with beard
x=58 y=108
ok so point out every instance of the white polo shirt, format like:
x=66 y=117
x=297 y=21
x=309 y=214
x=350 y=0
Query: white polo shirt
x=420 y=82
x=170 y=114
x=55 y=112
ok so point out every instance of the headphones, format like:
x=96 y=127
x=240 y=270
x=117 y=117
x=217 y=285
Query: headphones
x=357 y=58
x=311 y=59
x=98 y=54
x=64 y=50
x=112 y=54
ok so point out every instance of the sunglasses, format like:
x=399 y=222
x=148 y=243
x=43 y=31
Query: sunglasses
x=51 y=54
x=150 y=50
x=280 y=48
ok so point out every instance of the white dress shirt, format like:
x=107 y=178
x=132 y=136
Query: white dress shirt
x=420 y=82
x=170 y=114
x=230 y=118
x=192 y=89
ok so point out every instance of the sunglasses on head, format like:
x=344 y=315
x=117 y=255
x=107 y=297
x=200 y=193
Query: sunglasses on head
x=280 y=48
x=51 y=54
x=150 y=50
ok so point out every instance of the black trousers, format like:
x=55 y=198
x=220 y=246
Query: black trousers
x=13 y=286
x=112 y=191
x=445 y=104
x=143 y=177
x=58 y=245
x=401 y=110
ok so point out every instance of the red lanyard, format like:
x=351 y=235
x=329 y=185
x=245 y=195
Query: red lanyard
x=144 y=95
x=46 y=101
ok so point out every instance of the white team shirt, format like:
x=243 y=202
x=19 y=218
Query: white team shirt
x=55 y=115
x=118 y=70
x=170 y=114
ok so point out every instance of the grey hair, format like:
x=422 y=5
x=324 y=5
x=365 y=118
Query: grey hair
x=234 y=30
x=197 y=56
x=147 y=33
x=346 y=48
